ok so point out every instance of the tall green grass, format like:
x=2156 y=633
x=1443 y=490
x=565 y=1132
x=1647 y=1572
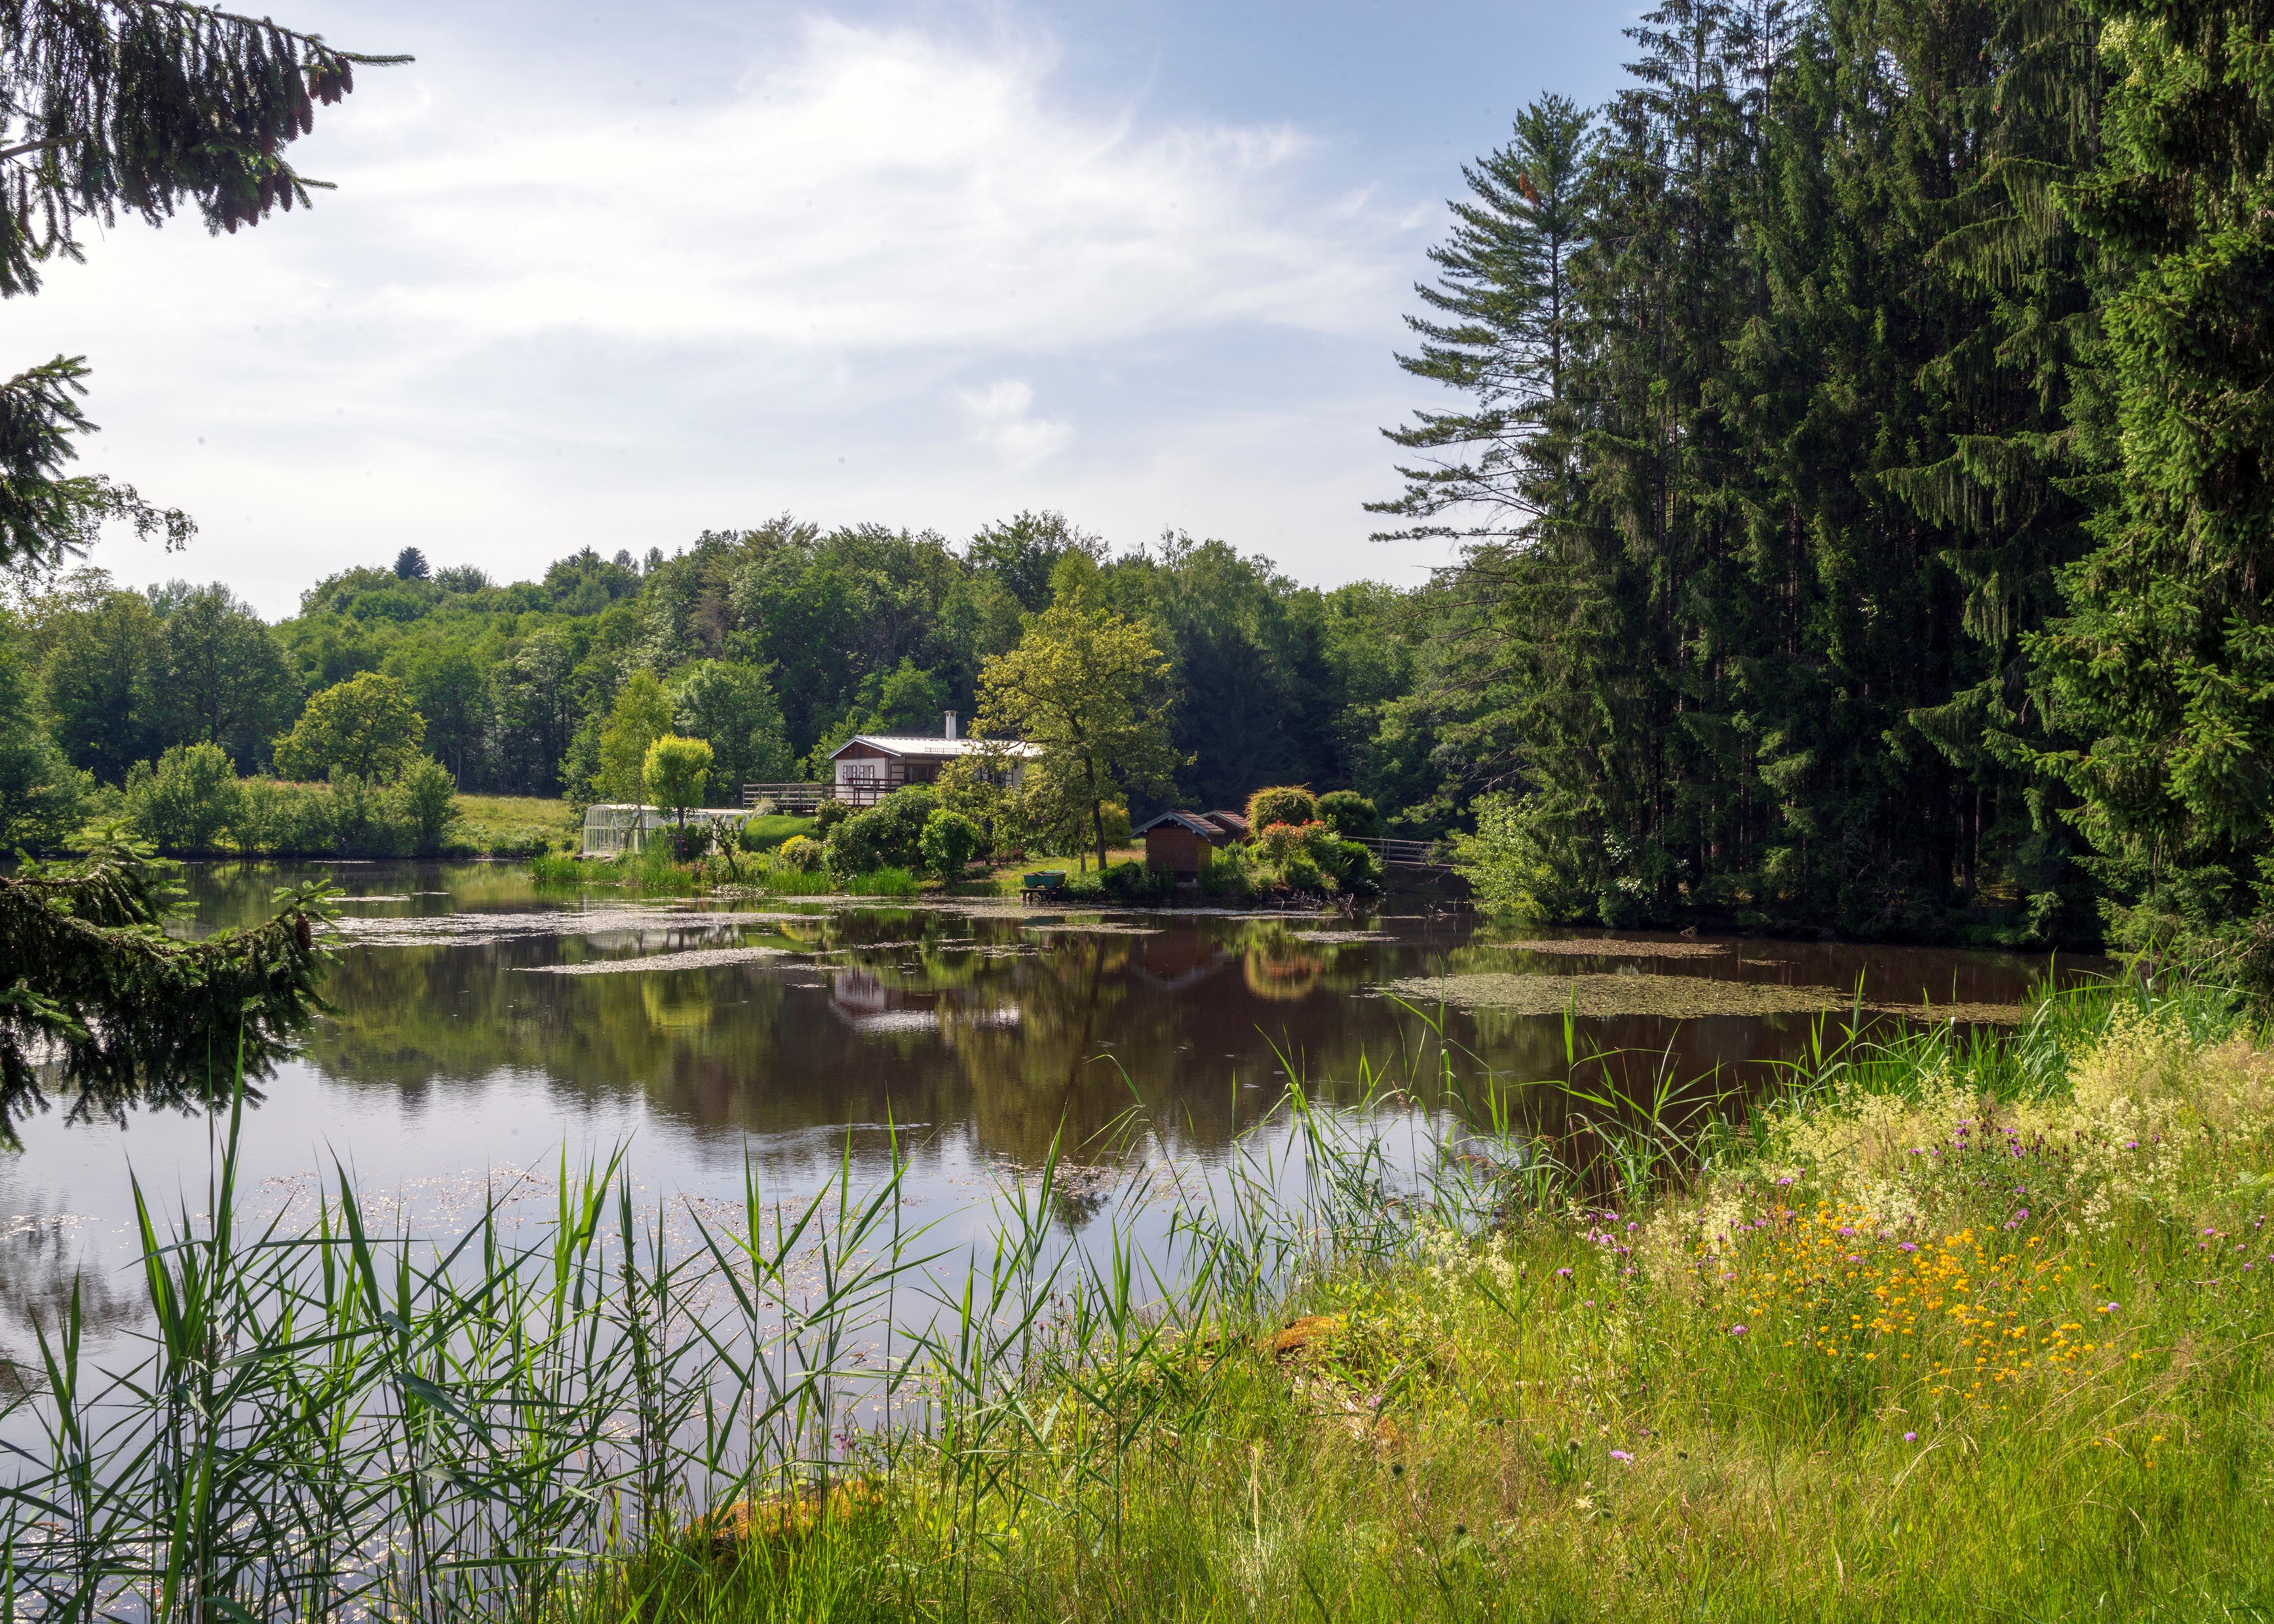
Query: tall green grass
x=653 y=870
x=816 y=1410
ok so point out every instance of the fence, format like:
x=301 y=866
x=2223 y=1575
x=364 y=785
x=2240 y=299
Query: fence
x=800 y=799
x=1410 y=854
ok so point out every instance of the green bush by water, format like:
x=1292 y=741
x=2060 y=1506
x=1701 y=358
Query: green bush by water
x=767 y=833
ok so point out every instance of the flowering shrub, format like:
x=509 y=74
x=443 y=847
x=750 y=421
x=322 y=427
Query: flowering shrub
x=1281 y=841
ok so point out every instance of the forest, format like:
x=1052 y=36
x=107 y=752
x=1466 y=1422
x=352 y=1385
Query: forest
x=1854 y=461
x=775 y=644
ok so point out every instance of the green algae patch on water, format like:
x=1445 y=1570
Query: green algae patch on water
x=1618 y=947
x=685 y=959
x=1679 y=998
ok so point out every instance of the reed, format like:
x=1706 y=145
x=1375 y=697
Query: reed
x=1440 y=1352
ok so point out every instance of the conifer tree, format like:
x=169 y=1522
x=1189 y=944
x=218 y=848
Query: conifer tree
x=1753 y=643
x=129 y=107
x=2163 y=664
x=111 y=108
x=1501 y=325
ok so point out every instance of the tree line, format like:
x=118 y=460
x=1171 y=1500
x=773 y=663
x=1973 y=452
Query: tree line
x=1860 y=452
x=774 y=644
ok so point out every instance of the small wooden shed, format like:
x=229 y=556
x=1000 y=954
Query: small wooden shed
x=1182 y=842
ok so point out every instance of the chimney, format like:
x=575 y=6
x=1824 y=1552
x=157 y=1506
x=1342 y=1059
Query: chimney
x=950 y=724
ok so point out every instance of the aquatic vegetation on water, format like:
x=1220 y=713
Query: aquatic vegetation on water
x=646 y=964
x=472 y=926
x=1622 y=947
x=1673 y=996
x=1100 y=928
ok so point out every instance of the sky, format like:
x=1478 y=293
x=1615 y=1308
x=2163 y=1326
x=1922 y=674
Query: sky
x=609 y=277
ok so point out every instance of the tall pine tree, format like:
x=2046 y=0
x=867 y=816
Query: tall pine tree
x=2163 y=664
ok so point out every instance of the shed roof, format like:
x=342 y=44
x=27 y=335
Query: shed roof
x=1202 y=823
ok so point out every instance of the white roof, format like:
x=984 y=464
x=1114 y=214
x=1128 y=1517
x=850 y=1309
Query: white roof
x=933 y=745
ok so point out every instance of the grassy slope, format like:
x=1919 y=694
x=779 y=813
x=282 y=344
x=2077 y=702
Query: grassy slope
x=765 y=834
x=515 y=823
x=2026 y=1377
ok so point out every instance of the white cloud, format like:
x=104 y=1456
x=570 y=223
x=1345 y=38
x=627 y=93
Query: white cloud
x=519 y=327
x=1004 y=412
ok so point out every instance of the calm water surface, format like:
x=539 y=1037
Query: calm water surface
x=458 y=1059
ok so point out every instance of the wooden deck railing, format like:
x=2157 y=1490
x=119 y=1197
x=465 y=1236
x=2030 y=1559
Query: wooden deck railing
x=798 y=797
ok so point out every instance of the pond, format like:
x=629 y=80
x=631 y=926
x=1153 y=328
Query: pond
x=480 y=1029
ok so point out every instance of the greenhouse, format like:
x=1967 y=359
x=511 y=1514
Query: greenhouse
x=612 y=827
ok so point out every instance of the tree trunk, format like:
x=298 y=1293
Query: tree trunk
x=1097 y=819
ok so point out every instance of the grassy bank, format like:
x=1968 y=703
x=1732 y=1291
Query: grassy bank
x=1950 y=1328
x=1954 y=1331
x=515 y=825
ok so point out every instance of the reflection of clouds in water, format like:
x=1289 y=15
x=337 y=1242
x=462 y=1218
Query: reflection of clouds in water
x=44 y=1253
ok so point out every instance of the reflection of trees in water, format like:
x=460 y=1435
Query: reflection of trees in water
x=1013 y=1044
x=945 y=1024
x=41 y=1262
x=1282 y=977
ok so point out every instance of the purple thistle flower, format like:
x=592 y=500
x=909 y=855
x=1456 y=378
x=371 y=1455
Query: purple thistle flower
x=1911 y=1438
x=1736 y=1330
x=1564 y=1273
x=1620 y=1454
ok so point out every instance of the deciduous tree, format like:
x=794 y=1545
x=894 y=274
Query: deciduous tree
x=366 y=727
x=674 y=771
x=1087 y=691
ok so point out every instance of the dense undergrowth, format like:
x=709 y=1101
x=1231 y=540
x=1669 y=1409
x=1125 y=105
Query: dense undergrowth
x=1946 y=1326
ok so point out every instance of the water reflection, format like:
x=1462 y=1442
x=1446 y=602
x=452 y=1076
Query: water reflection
x=981 y=1038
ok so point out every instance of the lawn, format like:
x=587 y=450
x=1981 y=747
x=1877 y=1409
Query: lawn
x=763 y=834
x=518 y=826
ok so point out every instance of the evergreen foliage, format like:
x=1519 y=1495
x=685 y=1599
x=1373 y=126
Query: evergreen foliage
x=131 y=1013
x=134 y=107
x=111 y=107
x=1790 y=423
x=2161 y=669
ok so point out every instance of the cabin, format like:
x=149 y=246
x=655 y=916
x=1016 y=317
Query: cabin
x=868 y=767
x=1184 y=843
